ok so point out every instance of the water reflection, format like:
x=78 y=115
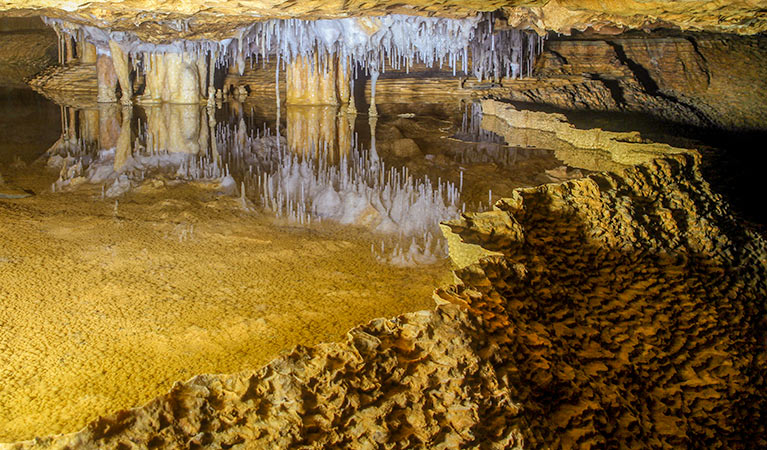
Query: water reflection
x=314 y=171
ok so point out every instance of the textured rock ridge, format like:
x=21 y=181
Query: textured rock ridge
x=625 y=308
x=422 y=379
x=27 y=48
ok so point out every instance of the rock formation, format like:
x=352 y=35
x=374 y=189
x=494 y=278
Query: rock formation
x=698 y=79
x=27 y=48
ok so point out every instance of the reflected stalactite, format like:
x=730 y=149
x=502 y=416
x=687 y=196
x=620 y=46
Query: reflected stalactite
x=89 y=125
x=316 y=171
x=123 y=146
x=176 y=128
x=109 y=125
x=315 y=130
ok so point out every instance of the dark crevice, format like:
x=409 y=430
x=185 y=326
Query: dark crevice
x=649 y=85
x=616 y=91
x=641 y=74
x=697 y=51
x=558 y=55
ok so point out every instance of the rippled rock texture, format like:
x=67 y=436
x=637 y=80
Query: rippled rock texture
x=625 y=308
x=631 y=310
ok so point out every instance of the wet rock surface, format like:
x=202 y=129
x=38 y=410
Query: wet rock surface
x=419 y=378
x=626 y=309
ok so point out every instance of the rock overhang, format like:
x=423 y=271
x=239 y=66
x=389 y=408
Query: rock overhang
x=164 y=21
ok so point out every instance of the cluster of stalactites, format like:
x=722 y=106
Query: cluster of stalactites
x=329 y=46
x=498 y=54
x=394 y=41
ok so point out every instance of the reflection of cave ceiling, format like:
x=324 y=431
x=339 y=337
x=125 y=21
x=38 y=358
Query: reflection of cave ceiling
x=157 y=20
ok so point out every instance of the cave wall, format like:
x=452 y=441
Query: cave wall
x=27 y=47
x=698 y=79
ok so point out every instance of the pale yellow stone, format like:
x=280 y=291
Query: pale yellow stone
x=463 y=254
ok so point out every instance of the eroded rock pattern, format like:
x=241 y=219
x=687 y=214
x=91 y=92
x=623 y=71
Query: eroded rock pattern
x=27 y=48
x=631 y=310
x=422 y=378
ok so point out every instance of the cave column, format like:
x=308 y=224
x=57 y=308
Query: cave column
x=69 y=48
x=88 y=54
x=202 y=73
x=182 y=79
x=153 y=78
x=309 y=83
x=175 y=78
x=343 y=84
x=122 y=68
x=106 y=79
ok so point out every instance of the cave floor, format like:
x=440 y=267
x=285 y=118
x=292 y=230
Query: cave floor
x=106 y=307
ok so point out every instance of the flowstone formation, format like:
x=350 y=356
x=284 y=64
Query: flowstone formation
x=621 y=308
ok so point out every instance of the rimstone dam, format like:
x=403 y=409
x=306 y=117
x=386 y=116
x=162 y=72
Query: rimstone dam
x=271 y=224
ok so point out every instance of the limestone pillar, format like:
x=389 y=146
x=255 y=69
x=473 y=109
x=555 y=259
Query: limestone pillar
x=175 y=78
x=69 y=48
x=373 y=111
x=343 y=85
x=153 y=79
x=202 y=74
x=182 y=79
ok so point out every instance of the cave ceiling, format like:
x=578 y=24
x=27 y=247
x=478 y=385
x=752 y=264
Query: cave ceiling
x=163 y=20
